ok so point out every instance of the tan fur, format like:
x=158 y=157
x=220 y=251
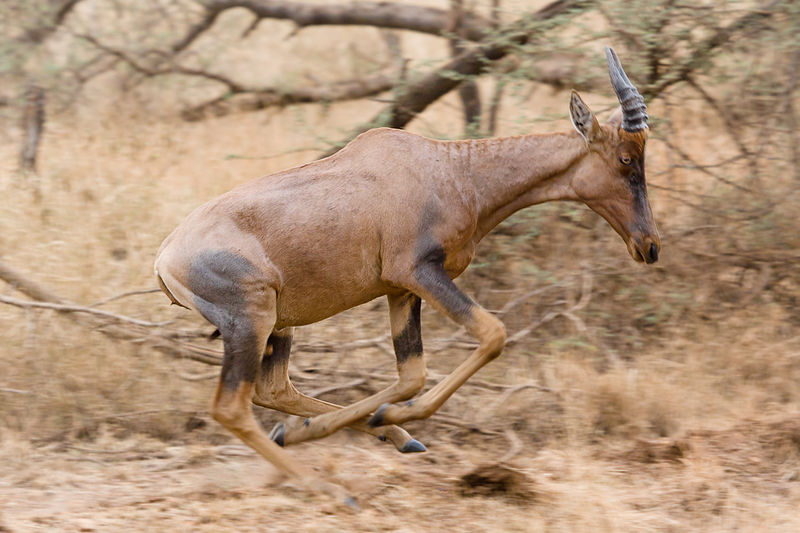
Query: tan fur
x=391 y=214
x=339 y=232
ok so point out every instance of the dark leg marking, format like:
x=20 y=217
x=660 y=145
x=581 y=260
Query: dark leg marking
x=439 y=290
x=240 y=360
x=219 y=280
x=408 y=342
x=430 y=274
x=281 y=348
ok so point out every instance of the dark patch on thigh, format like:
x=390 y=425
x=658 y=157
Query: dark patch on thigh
x=408 y=343
x=217 y=279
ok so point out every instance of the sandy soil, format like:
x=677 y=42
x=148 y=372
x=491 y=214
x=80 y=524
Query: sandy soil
x=744 y=478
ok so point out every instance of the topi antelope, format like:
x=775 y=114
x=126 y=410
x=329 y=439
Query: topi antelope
x=391 y=214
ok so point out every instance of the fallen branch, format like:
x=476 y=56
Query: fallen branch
x=316 y=393
x=176 y=342
x=198 y=377
x=506 y=396
x=124 y=295
x=168 y=342
x=15 y=391
x=24 y=285
x=79 y=309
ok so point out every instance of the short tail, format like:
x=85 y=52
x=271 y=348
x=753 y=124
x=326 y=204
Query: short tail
x=164 y=288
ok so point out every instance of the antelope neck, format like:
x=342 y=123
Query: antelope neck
x=512 y=173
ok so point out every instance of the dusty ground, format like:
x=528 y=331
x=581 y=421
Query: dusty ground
x=745 y=478
x=576 y=449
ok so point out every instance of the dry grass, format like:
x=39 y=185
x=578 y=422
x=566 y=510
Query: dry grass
x=667 y=403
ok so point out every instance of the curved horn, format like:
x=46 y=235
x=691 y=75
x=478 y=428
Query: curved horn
x=634 y=117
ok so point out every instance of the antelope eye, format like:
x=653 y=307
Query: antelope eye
x=625 y=160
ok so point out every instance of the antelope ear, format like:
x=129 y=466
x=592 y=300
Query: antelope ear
x=615 y=120
x=583 y=119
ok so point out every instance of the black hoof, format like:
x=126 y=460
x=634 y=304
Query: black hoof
x=377 y=418
x=413 y=446
x=278 y=433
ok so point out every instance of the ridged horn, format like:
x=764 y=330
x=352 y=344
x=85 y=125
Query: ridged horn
x=634 y=117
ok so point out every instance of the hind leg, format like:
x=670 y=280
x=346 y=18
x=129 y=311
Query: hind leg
x=235 y=296
x=275 y=390
x=231 y=406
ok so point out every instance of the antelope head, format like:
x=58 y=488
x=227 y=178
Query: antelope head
x=610 y=177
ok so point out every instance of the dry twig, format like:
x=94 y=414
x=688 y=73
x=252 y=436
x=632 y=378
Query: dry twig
x=79 y=309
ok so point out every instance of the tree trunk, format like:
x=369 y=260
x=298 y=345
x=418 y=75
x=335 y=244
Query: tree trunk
x=32 y=125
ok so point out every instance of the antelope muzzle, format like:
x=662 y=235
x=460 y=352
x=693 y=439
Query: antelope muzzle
x=645 y=248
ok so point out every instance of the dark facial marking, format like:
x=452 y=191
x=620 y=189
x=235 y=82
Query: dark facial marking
x=638 y=187
x=215 y=278
x=635 y=176
x=408 y=342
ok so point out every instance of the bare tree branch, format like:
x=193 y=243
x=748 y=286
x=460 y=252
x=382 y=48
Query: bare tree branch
x=497 y=94
x=413 y=98
x=700 y=53
x=123 y=295
x=731 y=125
x=138 y=66
x=251 y=100
x=379 y=14
x=468 y=91
x=420 y=93
x=49 y=22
